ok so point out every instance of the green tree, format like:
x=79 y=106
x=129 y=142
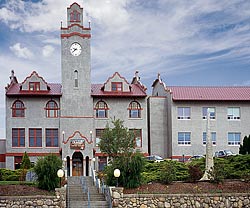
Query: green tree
x=26 y=164
x=117 y=140
x=46 y=170
x=245 y=148
x=119 y=143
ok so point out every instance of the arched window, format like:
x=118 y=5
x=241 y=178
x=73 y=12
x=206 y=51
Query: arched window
x=75 y=16
x=134 y=110
x=76 y=78
x=101 y=110
x=51 y=109
x=18 y=109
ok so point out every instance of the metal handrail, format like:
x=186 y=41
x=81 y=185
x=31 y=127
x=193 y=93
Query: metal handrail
x=67 y=196
x=106 y=191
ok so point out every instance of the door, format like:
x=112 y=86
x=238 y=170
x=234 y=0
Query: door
x=77 y=164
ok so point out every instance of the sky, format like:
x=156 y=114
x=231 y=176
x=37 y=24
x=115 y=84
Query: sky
x=189 y=42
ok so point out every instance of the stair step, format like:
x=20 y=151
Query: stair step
x=77 y=197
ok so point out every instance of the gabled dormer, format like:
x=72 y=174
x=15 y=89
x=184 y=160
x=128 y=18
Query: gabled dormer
x=116 y=83
x=34 y=83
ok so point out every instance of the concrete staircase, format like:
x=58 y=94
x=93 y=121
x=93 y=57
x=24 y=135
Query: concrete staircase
x=76 y=198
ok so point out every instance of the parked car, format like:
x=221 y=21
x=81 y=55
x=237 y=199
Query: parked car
x=155 y=158
x=196 y=157
x=224 y=153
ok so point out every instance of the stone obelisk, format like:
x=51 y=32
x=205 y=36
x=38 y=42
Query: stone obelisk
x=209 y=150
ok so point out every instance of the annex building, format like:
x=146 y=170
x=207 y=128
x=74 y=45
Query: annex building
x=68 y=119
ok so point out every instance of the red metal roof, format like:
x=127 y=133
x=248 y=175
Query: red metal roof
x=240 y=93
x=14 y=89
x=136 y=91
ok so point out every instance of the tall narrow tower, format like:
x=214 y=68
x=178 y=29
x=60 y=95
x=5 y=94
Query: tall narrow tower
x=76 y=106
x=75 y=58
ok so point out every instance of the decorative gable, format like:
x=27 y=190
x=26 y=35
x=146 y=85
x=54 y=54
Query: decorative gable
x=34 y=83
x=116 y=83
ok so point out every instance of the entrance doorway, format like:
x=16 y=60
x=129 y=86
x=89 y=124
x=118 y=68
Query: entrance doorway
x=77 y=164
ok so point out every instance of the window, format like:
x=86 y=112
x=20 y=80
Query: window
x=98 y=133
x=35 y=137
x=75 y=16
x=18 y=109
x=184 y=138
x=233 y=113
x=101 y=110
x=211 y=110
x=184 y=113
x=116 y=86
x=18 y=137
x=34 y=86
x=134 y=110
x=233 y=138
x=102 y=163
x=138 y=137
x=51 y=109
x=213 y=137
x=18 y=162
x=51 y=137
x=76 y=78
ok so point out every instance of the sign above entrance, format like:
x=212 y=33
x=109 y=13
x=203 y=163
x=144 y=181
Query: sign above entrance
x=78 y=143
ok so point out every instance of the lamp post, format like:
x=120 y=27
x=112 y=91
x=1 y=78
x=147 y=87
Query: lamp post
x=117 y=174
x=65 y=167
x=93 y=163
x=63 y=134
x=60 y=174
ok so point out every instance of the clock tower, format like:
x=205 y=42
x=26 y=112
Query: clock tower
x=76 y=119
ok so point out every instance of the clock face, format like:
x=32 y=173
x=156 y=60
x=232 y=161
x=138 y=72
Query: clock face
x=75 y=49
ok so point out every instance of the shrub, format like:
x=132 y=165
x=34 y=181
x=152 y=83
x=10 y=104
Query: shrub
x=217 y=174
x=10 y=175
x=46 y=170
x=168 y=174
x=195 y=173
x=130 y=167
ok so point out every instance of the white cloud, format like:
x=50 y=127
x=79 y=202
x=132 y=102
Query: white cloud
x=55 y=41
x=171 y=37
x=48 y=50
x=21 y=52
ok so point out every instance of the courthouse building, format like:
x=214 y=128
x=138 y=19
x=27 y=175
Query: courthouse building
x=68 y=119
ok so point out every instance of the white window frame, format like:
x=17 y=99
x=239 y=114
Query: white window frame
x=185 y=142
x=204 y=138
x=234 y=142
x=183 y=116
x=233 y=115
x=204 y=112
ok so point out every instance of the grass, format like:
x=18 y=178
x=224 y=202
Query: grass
x=17 y=183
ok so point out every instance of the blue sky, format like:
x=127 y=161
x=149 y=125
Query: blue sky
x=188 y=42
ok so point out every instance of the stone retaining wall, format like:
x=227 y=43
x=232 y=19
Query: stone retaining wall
x=237 y=200
x=57 y=201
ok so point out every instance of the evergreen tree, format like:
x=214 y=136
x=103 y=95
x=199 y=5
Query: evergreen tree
x=245 y=148
x=26 y=164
